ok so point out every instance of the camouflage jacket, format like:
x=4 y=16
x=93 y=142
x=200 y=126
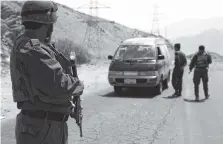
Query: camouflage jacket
x=180 y=60
x=205 y=63
x=37 y=73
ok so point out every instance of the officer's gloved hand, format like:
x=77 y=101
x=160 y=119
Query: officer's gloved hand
x=79 y=89
x=73 y=113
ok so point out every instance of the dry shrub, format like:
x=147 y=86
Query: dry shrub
x=65 y=46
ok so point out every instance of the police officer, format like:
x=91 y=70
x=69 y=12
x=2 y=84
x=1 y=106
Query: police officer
x=42 y=85
x=200 y=61
x=178 y=71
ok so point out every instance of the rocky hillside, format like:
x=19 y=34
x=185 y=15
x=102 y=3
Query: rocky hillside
x=211 y=39
x=71 y=25
x=193 y=26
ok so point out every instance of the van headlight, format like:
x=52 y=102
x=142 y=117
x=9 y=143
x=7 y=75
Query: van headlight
x=148 y=73
x=115 y=73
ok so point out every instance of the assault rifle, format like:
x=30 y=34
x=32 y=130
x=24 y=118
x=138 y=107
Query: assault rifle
x=76 y=98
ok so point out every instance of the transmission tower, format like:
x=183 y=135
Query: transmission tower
x=155 y=24
x=92 y=38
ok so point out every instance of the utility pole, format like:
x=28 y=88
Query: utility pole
x=155 y=24
x=92 y=38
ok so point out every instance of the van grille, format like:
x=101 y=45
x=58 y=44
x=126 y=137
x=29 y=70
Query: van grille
x=141 y=80
x=119 y=80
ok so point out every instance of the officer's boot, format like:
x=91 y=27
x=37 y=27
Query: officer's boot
x=197 y=98
x=174 y=94
x=206 y=95
x=179 y=92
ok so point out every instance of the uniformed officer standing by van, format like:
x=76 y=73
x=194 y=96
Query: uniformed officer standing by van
x=200 y=61
x=42 y=85
x=178 y=71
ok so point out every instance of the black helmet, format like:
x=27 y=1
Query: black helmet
x=39 y=11
x=177 y=45
x=201 y=47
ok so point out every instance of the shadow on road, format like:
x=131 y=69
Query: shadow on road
x=171 y=97
x=193 y=101
x=133 y=93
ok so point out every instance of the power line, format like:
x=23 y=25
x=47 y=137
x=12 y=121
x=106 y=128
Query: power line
x=155 y=29
x=155 y=24
x=94 y=31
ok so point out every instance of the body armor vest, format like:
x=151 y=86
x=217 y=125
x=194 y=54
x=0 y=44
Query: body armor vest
x=202 y=60
x=22 y=87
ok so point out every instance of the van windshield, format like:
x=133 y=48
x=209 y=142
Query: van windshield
x=135 y=52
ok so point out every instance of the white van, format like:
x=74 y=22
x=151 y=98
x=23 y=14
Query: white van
x=141 y=62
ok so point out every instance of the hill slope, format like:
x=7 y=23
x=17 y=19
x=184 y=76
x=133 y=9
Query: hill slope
x=193 y=26
x=211 y=39
x=71 y=25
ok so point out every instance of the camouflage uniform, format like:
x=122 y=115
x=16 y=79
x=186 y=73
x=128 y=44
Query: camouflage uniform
x=42 y=85
x=178 y=71
x=201 y=62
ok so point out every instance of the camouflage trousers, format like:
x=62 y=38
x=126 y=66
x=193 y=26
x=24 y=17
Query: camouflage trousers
x=200 y=73
x=40 y=131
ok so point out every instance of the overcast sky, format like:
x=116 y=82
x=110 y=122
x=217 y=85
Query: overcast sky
x=139 y=13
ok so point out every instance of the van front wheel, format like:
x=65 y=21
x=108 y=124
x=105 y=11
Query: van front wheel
x=118 y=90
x=159 y=87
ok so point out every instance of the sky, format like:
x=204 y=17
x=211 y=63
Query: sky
x=139 y=13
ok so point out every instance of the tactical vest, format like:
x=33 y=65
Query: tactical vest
x=202 y=60
x=22 y=87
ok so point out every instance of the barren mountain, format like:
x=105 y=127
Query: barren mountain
x=71 y=25
x=193 y=26
x=211 y=39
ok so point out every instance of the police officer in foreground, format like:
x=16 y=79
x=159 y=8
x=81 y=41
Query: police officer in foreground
x=42 y=85
x=200 y=61
x=178 y=71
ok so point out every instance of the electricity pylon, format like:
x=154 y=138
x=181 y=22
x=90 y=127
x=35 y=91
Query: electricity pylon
x=155 y=24
x=92 y=38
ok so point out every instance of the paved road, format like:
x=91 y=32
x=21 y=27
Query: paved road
x=146 y=119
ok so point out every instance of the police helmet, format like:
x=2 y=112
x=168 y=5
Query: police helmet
x=201 y=47
x=39 y=11
x=177 y=45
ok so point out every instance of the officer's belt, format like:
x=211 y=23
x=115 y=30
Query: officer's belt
x=201 y=67
x=54 y=116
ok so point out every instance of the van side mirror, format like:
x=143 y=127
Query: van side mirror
x=161 y=57
x=110 y=57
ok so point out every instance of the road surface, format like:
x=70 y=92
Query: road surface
x=141 y=118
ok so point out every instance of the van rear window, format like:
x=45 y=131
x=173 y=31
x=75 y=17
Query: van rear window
x=135 y=52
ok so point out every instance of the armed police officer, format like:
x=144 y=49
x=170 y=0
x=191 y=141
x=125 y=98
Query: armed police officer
x=43 y=84
x=178 y=71
x=200 y=61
